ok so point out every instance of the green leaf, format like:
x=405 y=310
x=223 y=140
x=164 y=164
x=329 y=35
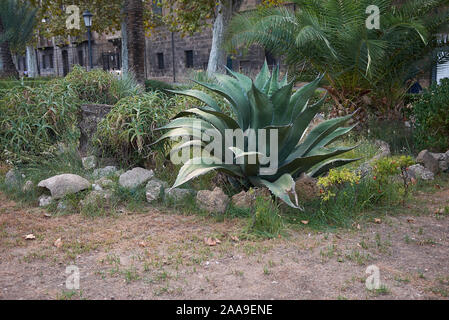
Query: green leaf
x=204 y=97
x=281 y=188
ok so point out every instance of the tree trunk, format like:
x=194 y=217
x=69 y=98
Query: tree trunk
x=217 y=56
x=31 y=62
x=7 y=67
x=124 y=52
x=136 y=39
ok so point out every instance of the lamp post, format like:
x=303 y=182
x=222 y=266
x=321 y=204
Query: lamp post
x=88 y=22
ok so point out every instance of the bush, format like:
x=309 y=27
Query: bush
x=34 y=119
x=156 y=85
x=128 y=130
x=432 y=118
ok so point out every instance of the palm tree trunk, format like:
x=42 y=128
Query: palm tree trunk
x=217 y=56
x=7 y=67
x=136 y=39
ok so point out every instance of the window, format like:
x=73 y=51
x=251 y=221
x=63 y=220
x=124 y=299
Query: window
x=189 y=59
x=160 y=60
x=50 y=60
x=81 y=58
x=44 y=61
x=157 y=7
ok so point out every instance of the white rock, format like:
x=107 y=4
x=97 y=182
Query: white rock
x=89 y=162
x=45 y=201
x=133 y=178
x=64 y=184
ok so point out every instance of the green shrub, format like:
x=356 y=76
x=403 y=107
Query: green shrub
x=128 y=130
x=156 y=85
x=431 y=113
x=266 y=221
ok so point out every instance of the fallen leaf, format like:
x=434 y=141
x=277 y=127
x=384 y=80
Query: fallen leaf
x=58 y=243
x=358 y=227
x=142 y=244
x=439 y=211
x=304 y=221
x=437 y=186
x=378 y=221
x=47 y=215
x=211 y=241
x=235 y=238
x=30 y=237
x=410 y=220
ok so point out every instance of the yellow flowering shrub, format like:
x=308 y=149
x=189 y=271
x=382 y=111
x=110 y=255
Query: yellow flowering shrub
x=335 y=180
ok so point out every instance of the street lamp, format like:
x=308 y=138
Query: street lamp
x=87 y=16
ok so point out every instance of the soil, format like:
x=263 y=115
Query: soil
x=160 y=254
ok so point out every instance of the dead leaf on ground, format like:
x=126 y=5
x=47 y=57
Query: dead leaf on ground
x=377 y=220
x=211 y=241
x=142 y=244
x=235 y=238
x=410 y=220
x=58 y=243
x=30 y=237
x=47 y=215
x=304 y=221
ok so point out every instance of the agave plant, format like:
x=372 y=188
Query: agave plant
x=265 y=103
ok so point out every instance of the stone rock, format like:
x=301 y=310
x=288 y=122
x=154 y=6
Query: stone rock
x=89 y=163
x=417 y=171
x=28 y=186
x=45 y=201
x=306 y=188
x=91 y=115
x=428 y=161
x=61 y=206
x=243 y=200
x=104 y=172
x=155 y=189
x=133 y=178
x=104 y=182
x=64 y=184
x=97 y=198
x=212 y=201
x=96 y=187
x=178 y=195
x=12 y=178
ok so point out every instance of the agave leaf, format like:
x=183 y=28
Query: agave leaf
x=281 y=100
x=184 y=122
x=261 y=109
x=331 y=164
x=204 y=97
x=300 y=98
x=281 y=188
x=191 y=143
x=191 y=170
x=217 y=119
x=245 y=81
x=335 y=135
x=263 y=77
x=317 y=134
x=274 y=82
x=179 y=132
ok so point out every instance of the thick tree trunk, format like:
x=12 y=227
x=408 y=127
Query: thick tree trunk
x=7 y=67
x=31 y=62
x=136 y=39
x=217 y=56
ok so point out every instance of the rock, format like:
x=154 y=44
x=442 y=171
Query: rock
x=64 y=184
x=104 y=182
x=28 y=186
x=246 y=200
x=243 y=200
x=428 y=161
x=133 y=178
x=307 y=188
x=89 y=163
x=418 y=171
x=212 y=201
x=12 y=178
x=91 y=115
x=155 y=189
x=96 y=187
x=97 y=198
x=104 y=172
x=178 y=195
x=443 y=165
x=61 y=206
x=45 y=201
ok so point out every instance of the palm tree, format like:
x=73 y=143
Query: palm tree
x=331 y=36
x=135 y=38
x=17 y=21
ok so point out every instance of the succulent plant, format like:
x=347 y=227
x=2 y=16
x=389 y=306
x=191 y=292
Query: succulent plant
x=266 y=103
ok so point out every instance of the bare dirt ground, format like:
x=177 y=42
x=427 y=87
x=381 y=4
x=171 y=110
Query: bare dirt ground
x=162 y=255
